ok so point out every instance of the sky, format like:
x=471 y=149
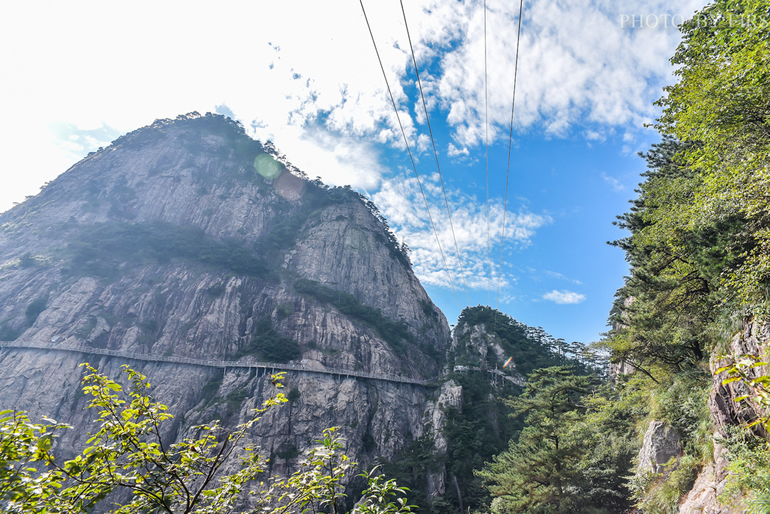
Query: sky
x=305 y=75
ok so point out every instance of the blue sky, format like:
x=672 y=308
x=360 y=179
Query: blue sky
x=303 y=74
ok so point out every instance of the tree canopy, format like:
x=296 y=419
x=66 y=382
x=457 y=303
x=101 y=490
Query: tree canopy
x=130 y=458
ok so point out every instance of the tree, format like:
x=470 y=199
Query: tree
x=720 y=107
x=128 y=455
x=25 y=483
x=540 y=471
x=700 y=229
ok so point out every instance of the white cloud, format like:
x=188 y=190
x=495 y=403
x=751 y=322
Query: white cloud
x=558 y=275
x=614 y=183
x=299 y=76
x=564 y=297
x=577 y=64
x=423 y=143
x=453 y=151
x=400 y=201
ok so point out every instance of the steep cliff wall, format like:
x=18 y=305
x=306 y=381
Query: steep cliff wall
x=187 y=239
x=707 y=492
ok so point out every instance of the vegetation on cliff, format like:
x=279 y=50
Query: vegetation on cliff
x=700 y=235
x=486 y=421
x=130 y=455
x=395 y=333
x=698 y=249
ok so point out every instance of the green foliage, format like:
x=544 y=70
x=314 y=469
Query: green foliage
x=683 y=404
x=483 y=428
x=661 y=494
x=212 y=385
x=284 y=311
x=288 y=226
x=269 y=345
x=216 y=291
x=699 y=234
x=531 y=348
x=412 y=467
x=575 y=451
x=700 y=226
x=608 y=434
x=746 y=369
x=540 y=471
x=8 y=333
x=287 y=452
x=192 y=125
x=101 y=249
x=392 y=332
x=699 y=229
x=749 y=466
x=129 y=453
x=27 y=475
x=475 y=434
x=293 y=395
x=317 y=486
x=383 y=496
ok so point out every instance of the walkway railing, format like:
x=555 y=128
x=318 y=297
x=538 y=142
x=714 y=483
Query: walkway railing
x=222 y=364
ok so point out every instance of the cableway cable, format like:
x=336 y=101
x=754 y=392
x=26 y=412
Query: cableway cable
x=486 y=148
x=510 y=143
x=435 y=154
x=411 y=158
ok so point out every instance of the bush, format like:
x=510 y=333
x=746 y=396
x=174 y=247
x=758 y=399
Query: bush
x=749 y=458
x=663 y=496
x=269 y=345
x=100 y=249
x=8 y=333
x=392 y=332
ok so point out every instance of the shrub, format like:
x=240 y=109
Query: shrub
x=269 y=345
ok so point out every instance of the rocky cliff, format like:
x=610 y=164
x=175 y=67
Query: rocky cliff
x=188 y=240
x=707 y=493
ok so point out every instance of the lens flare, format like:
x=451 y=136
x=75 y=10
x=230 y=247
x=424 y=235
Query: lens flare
x=289 y=186
x=507 y=362
x=267 y=166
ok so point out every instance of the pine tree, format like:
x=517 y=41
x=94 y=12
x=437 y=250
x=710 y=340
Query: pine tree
x=541 y=471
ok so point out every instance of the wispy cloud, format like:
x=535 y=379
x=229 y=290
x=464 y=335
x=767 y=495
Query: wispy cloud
x=400 y=201
x=555 y=274
x=577 y=64
x=614 y=183
x=564 y=297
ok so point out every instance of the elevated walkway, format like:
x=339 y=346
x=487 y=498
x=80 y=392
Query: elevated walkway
x=219 y=364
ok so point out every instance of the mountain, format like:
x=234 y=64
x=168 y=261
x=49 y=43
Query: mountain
x=489 y=356
x=193 y=253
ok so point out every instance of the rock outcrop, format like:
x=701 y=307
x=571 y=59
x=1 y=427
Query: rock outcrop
x=661 y=444
x=450 y=396
x=725 y=411
x=188 y=239
x=705 y=496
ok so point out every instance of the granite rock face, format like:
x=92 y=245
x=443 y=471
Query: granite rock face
x=661 y=444
x=704 y=497
x=725 y=411
x=188 y=239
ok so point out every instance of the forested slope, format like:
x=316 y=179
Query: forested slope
x=684 y=425
x=700 y=268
